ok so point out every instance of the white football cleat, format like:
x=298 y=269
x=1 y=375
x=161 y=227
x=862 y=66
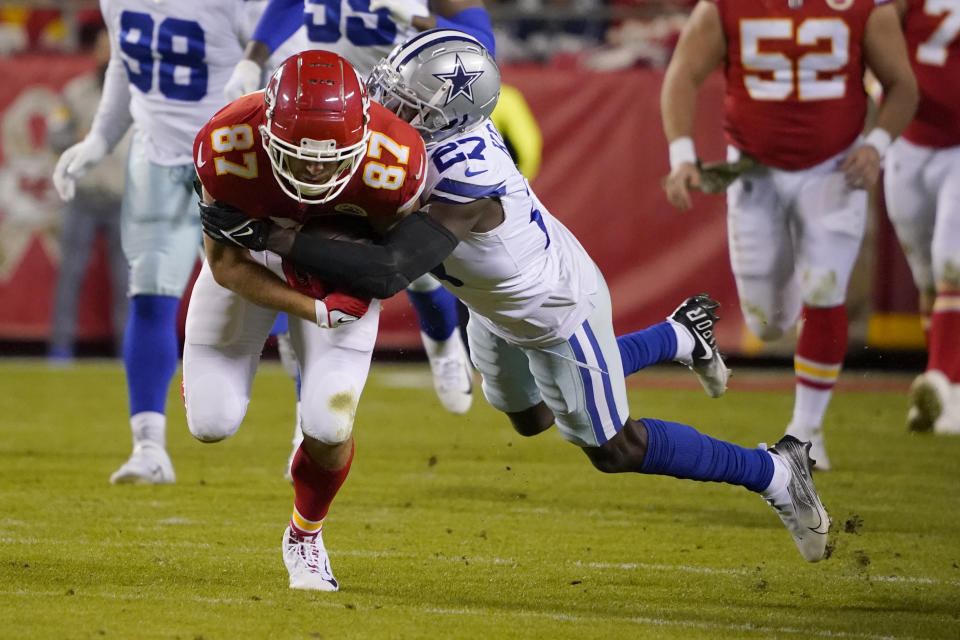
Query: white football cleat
x=813 y=435
x=452 y=371
x=148 y=464
x=800 y=507
x=949 y=421
x=929 y=394
x=697 y=314
x=307 y=562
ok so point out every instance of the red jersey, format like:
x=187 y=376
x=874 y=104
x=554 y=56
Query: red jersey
x=795 y=92
x=235 y=168
x=932 y=30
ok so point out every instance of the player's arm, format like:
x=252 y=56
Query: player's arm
x=469 y=16
x=233 y=268
x=413 y=246
x=701 y=49
x=885 y=53
x=279 y=21
x=110 y=123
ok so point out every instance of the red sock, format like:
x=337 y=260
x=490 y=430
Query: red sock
x=314 y=489
x=944 y=329
x=821 y=346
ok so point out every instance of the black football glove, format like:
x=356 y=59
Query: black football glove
x=228 y=225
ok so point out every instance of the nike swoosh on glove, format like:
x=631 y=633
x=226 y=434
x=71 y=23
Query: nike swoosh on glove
x=339 y=308
x=229 y=225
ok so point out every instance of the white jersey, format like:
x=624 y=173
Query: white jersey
x=529 y=280
x=177 y=55
x=350 y=29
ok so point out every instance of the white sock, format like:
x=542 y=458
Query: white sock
x=778 y=489
x=149 y=426
x=809 y=407
x=685 y=341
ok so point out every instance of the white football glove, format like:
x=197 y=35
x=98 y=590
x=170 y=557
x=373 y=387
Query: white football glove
x=244 y=79
x=402 y=11
x=332 y=318
x=75 y=162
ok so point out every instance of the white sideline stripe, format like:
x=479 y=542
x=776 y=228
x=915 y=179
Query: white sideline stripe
x=564 y=617
x=624 y=566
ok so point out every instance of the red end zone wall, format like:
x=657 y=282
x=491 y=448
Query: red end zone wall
x=604 y=157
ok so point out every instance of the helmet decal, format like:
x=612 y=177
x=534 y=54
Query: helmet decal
x=460 y=81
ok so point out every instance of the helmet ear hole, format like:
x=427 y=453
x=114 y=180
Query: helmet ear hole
x=317 y=111
x=441 y=81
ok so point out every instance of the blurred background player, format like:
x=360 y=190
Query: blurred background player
x=329 y=149
x=363 y=32
x=540 y=329
x=922 y=189
x=169 y=62
x=95 y=207
x=797 y=218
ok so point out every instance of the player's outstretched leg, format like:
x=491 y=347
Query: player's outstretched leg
x=288 y=359
x=440 y=331
x=315 y=486
x=697 y=314
x=150 y=359
x=780 y=475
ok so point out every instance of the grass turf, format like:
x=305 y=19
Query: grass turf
x=455 y=527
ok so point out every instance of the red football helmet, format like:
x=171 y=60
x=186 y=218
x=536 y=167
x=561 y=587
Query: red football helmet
x=317 y=112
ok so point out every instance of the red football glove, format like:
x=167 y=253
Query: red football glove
x=303 y=281
x=338 y=309
x=334 y=308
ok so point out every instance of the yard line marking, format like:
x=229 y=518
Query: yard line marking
x=624 y=566
x=467 y=611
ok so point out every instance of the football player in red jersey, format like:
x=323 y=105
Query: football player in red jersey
x=310 y=144
x=922 y=187
x=794 y=112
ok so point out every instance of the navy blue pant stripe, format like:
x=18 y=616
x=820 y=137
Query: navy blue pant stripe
x=607 y=387
x=588 y=386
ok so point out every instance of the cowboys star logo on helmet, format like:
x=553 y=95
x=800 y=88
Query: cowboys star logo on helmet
x=461 y=82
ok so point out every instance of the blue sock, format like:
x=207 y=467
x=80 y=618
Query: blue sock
x=680 y=451
x=150 y=351
x=646 y=347
x=437 y=312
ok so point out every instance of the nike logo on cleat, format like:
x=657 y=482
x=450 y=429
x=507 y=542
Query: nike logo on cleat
x=705 y=345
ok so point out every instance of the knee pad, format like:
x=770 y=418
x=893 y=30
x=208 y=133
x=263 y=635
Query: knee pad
x=212 y=413
x=764 y=326
x=823 y=287
x=329 y=419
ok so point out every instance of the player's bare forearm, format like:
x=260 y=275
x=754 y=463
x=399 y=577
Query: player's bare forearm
x=885 y=53
x=257 y=52
x=234 y=269
x=700 y=50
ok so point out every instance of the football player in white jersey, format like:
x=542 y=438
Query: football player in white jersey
x=363 y=32
x=168 y=65
x=541 y=329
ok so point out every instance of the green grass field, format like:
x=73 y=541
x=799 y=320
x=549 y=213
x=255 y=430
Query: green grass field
x=457 y=528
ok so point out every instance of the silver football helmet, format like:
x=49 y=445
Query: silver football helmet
x=441 y=81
